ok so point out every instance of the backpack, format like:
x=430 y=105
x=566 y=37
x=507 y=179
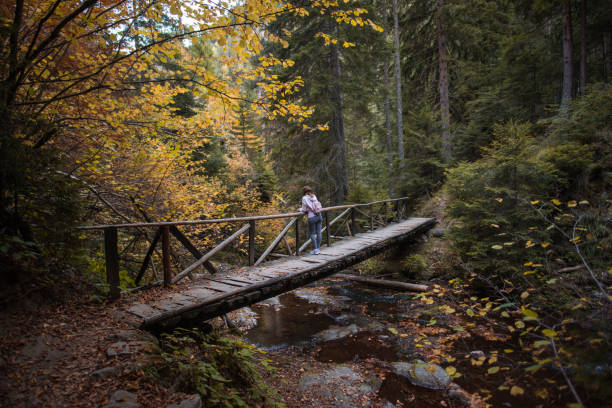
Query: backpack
x=316 y=205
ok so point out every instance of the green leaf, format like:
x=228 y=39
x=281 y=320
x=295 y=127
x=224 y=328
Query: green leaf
x=541 y=343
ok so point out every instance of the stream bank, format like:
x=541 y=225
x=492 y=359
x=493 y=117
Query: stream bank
x=341 y=344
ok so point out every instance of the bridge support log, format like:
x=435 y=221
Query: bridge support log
x=384 y=283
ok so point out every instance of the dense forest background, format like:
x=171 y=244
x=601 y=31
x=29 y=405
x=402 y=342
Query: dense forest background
x=152 y=111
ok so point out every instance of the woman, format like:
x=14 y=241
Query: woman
x=312 y=207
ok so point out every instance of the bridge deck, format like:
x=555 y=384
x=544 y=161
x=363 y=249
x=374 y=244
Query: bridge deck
x=220 y=293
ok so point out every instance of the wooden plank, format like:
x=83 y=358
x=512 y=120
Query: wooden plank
x=181 y=298
x=200 y=292
x=142 y=310
x=231 y=282
x=169 y=304
x=238 y=280
x=218 y=286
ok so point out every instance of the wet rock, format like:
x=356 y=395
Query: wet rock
x=274 y=302
x=346 y=386
x=423 y=374
x=244 y=319
x=337 y=332
x=320 y=297
x=105 y=372
x=122 y=399
x=466 y=399
x=476 y=354
x=192 y=401
x=438 y=232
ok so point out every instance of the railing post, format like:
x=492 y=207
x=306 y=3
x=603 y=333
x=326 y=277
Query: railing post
x=166 y=255
x=371 y=217
x=397 y=211
x=386 y=213
x=327 y=229
x=353 y=223
x=112 y=262
x=297 y=236
x=251 y=242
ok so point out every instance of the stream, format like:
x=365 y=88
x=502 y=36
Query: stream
x=338 y=341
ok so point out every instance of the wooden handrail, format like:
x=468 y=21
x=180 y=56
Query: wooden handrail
x=228 y=220
x=165 y=228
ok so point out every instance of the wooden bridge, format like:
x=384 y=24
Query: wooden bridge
x=370 y=229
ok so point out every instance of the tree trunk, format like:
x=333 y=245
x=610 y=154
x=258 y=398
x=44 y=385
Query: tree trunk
x=568 y=59
x=398 y=90
x=583 y=46
x=443 y=84
x=341 y=185
x=607 y=50
x=389 y=137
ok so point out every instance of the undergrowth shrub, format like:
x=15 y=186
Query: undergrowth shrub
x=414 y=265
x=223 y=370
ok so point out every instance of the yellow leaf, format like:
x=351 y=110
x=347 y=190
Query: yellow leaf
x=493 y=370
x=545 y=244
x=542 y=393
x=524 y=295
x=508 y=351
x=549 y=333
x=572 y=204
x=392 y=330
x=528 y=263
x=555 y=201
x=499 y=200
x=516 y=390
x=535 y=202
x=529 y=313
x=450 y=370
x=519 y=324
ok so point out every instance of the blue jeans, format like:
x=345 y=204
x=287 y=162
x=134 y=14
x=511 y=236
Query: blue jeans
x=314 y=228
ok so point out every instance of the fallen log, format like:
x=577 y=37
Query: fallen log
x=384 y=283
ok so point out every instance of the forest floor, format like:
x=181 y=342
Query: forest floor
x=77 y=353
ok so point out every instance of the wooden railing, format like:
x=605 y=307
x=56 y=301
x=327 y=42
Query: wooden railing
x=353 y=217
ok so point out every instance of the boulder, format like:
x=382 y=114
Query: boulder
x=337 y=332
x=192 y=401
x=122 y=399
x=341 y=383
x=456 y=393
x=105 y=372
x=423 y=374
x=118 y=349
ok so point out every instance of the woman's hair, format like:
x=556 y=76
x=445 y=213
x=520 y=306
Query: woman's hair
x=306 y=190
